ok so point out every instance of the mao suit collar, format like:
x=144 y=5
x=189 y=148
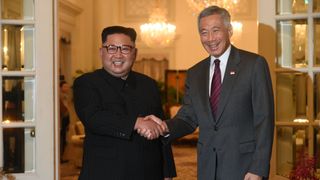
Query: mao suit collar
x=118 y=83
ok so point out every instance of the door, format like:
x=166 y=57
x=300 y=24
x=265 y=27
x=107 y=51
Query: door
x=27 y=93
x=294 y=51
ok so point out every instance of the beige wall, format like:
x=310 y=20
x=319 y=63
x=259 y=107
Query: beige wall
x=185 y=52
x=82 y=49
x=75 y=22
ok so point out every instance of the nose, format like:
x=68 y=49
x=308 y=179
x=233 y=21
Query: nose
x=211 y=36
x=118 y=53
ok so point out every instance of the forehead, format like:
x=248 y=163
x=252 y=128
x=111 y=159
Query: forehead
x=118 y=39
x=212 y=21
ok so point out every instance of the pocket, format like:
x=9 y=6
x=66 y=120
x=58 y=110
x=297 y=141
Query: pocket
x=247 y=147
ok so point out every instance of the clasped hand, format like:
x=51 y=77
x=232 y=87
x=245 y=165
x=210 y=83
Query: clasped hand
x=150 y=127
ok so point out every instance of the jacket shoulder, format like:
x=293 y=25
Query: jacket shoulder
x=90 y=76
x=204 y=63
x=248 y=55
x=143 y=77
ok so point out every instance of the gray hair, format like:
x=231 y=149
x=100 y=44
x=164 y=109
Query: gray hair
x=211 y=10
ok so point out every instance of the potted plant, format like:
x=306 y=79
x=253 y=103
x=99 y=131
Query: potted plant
x=305 y=168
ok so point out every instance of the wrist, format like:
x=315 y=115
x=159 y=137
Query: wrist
x=166 y=132
x=136 y=125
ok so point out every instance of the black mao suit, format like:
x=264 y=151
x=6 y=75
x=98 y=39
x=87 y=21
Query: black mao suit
x=108 y=107
x=239 y=139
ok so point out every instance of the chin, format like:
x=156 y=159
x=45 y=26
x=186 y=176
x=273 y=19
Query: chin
x=216 y=54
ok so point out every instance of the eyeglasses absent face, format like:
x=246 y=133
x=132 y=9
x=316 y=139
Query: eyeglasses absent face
x=124 y=49
x=214 y=34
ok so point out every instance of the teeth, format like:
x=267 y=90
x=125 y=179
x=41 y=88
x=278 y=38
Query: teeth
x=117 y=62
x=213 y=45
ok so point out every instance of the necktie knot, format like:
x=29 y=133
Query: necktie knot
x=216 y=62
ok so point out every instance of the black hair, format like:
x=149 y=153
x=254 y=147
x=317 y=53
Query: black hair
x=62 y=83
x=118 y=30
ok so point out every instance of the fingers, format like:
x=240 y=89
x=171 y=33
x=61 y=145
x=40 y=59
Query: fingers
x=250 y=176
x=149 y=128
x=154 y=118
x=162 y=124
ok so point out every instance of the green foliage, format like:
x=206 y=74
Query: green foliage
x=169 y=97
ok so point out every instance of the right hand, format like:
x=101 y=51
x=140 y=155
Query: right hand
x=148 y=128
x=161 y=123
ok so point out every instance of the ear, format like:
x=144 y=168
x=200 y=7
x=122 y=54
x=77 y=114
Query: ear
x=135 y=54
x=230 y=31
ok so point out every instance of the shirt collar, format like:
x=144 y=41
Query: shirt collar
x=223 y=58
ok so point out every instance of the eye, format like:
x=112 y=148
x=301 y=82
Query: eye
x=204 y=33
x=215 y=30
x=112 y=48
x=126 y=49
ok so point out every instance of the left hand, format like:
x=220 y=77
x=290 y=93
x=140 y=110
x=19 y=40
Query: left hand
x=161 y=123
x=250 y=176
x=148 y=128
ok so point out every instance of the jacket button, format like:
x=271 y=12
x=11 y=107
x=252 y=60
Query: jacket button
x=214 y=149
x=215 y=128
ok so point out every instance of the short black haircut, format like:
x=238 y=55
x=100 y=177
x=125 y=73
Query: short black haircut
x=62 y=83
x=118 y=30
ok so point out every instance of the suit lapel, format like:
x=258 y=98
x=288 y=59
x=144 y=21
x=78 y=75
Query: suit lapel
x=204 y=90
x=231 y=73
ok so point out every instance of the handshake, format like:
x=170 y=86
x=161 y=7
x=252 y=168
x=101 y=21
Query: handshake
x=151 y=127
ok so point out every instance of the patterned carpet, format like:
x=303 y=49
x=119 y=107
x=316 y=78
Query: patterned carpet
x=184 y=155
x=186 y=161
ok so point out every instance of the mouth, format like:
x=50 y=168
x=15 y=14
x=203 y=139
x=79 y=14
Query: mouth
x=117 y=62
x=213 y=47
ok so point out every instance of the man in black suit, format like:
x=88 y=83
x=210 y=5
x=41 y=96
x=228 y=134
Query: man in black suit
x=229 y=96
x=111 y=103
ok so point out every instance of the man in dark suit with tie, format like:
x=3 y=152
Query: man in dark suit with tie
x=229 y=97
x=111 y=103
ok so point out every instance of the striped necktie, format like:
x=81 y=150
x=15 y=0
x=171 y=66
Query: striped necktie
x=215 y=87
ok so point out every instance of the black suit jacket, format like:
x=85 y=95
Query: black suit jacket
x=239 y=139
x=108 y=107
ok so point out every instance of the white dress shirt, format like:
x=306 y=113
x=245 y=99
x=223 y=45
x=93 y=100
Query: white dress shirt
x=223 y=64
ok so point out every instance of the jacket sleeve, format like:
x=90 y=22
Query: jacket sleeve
x=185 y=121
x=98 y=119
x=263 y=118
x=169 y=168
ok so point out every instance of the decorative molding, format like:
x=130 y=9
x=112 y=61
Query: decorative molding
x=139 y=10
x=68 y=11
x=242 y=10
x=71 y=8
x=246 y=10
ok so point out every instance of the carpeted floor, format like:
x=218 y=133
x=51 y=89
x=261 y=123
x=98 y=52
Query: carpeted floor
x=184 y=155
x=186 y=161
